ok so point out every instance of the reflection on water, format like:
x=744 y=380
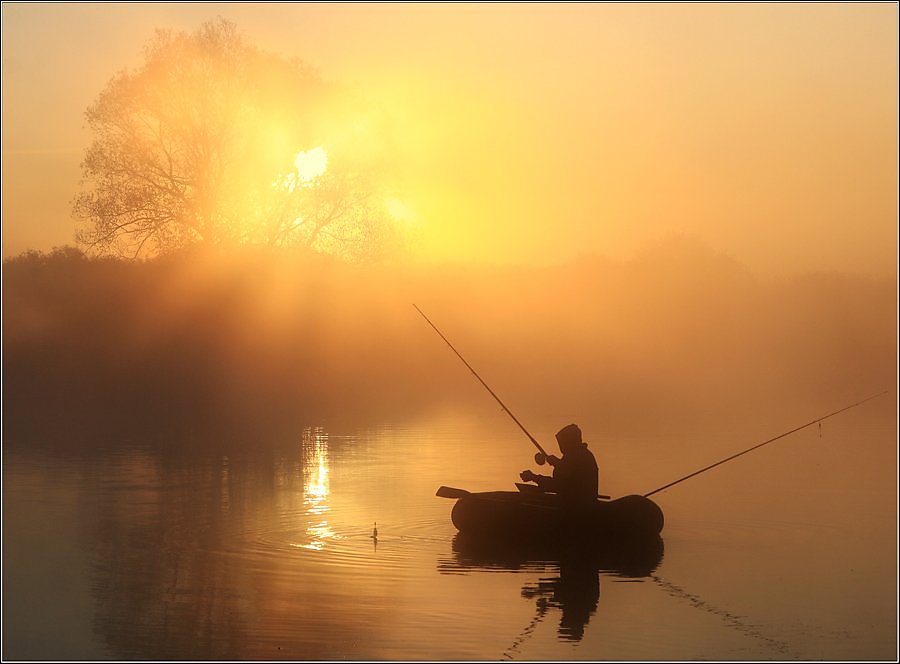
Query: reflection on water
x=575 y=591
x=266 y=553
x=575 y=588
x=632 y=559
x=314 y=453
x=158 y=579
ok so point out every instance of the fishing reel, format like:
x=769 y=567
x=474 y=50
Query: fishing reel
x=540 y=459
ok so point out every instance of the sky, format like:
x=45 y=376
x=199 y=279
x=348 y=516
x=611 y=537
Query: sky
x=535 y=133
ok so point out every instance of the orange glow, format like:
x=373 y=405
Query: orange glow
x=672 y=224
x=769 y=131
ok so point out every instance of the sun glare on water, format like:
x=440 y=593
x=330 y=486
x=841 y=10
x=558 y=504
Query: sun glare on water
x=316 y=489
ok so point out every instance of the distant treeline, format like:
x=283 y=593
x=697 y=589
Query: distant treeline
x=250 y=346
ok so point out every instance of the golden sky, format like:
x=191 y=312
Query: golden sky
x=536 y=132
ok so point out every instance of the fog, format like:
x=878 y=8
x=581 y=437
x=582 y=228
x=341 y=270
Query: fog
x=672 y=224
x=247 y=348
x=535 y=132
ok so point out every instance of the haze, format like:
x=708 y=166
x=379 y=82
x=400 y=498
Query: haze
x=535 y=133
x=674 y=225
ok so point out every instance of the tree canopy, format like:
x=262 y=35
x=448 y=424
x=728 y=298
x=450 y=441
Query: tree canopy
x=216 y=142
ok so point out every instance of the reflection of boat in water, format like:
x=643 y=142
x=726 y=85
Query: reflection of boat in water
x=530 y=513
x=627 y=558
x=575 y=588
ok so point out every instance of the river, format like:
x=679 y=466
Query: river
x=267 y=551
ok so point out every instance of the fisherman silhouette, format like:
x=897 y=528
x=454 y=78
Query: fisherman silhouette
x=574 y=477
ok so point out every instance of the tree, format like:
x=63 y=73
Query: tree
x=213 y=141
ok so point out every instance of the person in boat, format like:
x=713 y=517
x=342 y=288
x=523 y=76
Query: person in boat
x=574 y=475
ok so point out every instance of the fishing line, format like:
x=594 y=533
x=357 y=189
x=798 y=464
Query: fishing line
x=525 y=634
x=771 y=440
x=728 y=618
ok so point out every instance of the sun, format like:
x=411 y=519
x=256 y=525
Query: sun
x=311 y=164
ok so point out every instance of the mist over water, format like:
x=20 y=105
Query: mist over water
x=197 y=451
x=203 y=343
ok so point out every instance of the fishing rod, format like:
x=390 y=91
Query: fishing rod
x=771 y=440
x=541 y=457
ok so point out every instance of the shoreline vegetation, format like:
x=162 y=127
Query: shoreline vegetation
x=207 y=348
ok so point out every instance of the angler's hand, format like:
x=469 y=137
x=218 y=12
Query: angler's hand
x=552 y=460
x=527 y=476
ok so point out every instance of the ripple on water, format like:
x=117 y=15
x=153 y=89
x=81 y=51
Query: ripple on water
x=330 y=547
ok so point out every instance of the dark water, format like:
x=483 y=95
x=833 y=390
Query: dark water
x=789 y=553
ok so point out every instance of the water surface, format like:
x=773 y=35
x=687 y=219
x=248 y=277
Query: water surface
x=127 y=552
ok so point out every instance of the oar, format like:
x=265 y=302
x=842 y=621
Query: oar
x=450 y=492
